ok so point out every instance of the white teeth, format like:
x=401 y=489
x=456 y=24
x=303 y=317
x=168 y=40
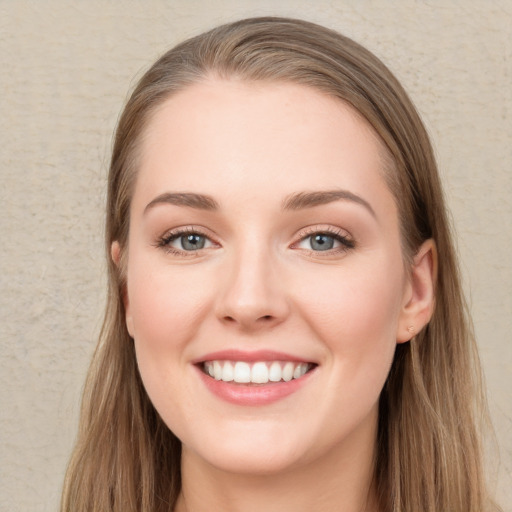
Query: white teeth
x=288 y=372
x=242 y=372
x=275 y=373
x=260 y=372
x=300 y=371
x=227 y=372
x=217 y=370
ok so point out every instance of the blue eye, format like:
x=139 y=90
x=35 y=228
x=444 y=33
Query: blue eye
x=192 y=242
x=189 y=242
x=324 y=241
x=185 y=242
x=321 y=242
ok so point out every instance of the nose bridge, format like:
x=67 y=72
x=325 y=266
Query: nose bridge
x=253 y=295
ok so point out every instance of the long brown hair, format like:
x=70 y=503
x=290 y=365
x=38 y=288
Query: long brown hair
x=428 y=447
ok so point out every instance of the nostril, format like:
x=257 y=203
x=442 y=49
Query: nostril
x=264 y=319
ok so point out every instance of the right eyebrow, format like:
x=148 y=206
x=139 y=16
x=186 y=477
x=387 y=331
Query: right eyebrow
x=192 y=200
x=301 y=200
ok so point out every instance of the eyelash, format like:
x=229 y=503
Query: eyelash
x=346 y=243
x=339 y=235
x=165 y=241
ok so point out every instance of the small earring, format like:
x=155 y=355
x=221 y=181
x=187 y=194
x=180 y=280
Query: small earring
x=410 y=329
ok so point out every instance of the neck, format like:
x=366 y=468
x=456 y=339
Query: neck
x=340 y=481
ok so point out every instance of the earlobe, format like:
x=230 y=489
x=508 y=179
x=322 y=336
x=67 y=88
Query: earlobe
x=419 y=299
x=115 y=253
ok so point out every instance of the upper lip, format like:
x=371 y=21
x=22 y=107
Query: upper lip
x=249 y=356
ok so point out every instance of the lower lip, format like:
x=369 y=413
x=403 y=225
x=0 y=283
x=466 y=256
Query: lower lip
x=253 y=394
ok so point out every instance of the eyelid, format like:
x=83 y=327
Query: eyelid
x=170 y=235
x=346 y=240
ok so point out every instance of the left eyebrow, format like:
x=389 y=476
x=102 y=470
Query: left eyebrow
x=301 y=200
x=191 y=200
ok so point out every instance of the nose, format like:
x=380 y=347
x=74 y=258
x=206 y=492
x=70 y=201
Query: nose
x=253 y=297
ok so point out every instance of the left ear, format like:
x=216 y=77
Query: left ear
x=419 y=296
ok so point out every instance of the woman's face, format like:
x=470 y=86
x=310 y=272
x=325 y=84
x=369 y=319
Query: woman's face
x=264 y=247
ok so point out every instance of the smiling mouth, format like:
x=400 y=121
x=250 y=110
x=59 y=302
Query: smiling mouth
x=259 y=372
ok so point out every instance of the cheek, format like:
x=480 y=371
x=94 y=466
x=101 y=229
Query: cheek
x=164 y=304
x=166 y=307
x=365 y=301
x=355 y=311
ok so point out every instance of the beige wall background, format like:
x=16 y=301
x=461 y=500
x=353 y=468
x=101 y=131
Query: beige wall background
x=65 y=70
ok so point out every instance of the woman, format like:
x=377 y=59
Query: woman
x=285 y=326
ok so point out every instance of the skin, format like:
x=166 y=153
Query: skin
x=258 y=284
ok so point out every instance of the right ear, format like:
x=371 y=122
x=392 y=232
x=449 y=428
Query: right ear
x=115 y=253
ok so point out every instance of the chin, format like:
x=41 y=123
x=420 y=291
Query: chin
x=255 y=462
x=249 y=453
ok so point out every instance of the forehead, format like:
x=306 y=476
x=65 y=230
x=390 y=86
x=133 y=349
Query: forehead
x=225 y=135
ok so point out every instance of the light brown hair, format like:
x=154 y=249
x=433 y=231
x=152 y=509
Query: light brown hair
x=428 y=447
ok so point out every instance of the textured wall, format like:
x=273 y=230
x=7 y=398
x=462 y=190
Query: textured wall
x=65 y=70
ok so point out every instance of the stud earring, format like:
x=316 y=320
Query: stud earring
x=410 y=329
